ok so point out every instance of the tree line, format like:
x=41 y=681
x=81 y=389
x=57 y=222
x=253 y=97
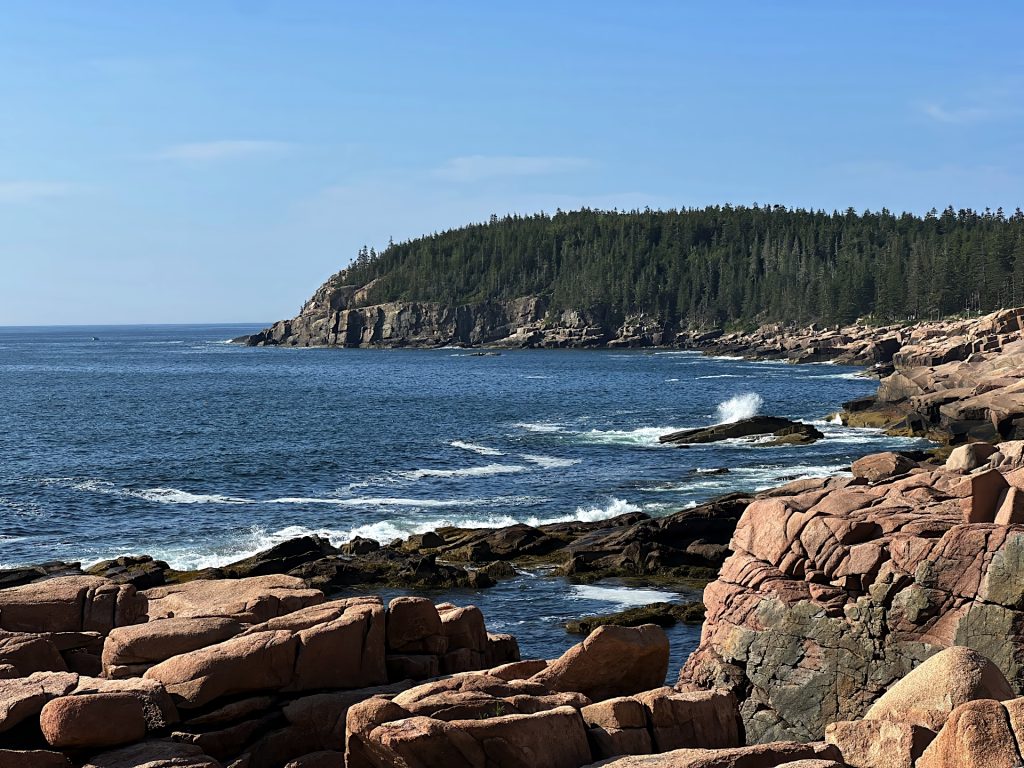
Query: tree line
x=720 y=265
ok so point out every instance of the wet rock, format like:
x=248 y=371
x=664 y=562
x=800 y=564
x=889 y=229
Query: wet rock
x=282 y=557
x=387 y=566
x=141 y=572
x=785 y=430
x=359 y=546
x=662 y=614
x=15 y=577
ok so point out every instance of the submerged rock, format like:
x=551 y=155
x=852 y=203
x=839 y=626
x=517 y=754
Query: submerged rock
x=662 y=614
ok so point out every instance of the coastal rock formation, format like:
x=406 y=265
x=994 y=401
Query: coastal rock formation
x=340 y=315
x=856 y=344
x=688 y=544
x=261 y=669
x=278 y=675
x=777 y=430
x=960 y=381
x=952 y=380
x=837 y=588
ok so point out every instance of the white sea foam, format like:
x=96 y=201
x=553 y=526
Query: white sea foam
x=739 y=407
x=485 y=471
x=624 y=596
x=548 y=462
x=258 y=538
x=849 y=376
x=646 y=436
x=381 y=501
x=675 y=379
x=724 y=376
x=543 y=426
x=176 y=496
x=159 y=495
x=613 y=508
x=388 y=530
x=483 y=450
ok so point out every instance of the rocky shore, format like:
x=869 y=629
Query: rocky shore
x=867 y=621
x=687 y=546
x=874 y=620
x=952 y=380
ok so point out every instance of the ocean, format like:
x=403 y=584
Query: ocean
x=169 y=441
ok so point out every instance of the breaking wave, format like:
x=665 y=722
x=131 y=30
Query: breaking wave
x=647 y=436
x=739 y=407
x=485 y=471
x=483 y=450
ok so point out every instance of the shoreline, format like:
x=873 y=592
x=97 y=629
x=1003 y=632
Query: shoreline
x=820 y=595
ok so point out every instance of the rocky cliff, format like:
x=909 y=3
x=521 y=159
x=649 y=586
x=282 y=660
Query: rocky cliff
x=340 y=315
x=837 y=588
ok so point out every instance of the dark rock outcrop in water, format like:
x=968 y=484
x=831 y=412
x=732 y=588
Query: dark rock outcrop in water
x=688 y=545
x=662 y=614
x=785 y=432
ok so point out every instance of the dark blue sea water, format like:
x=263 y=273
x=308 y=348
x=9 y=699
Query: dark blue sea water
x=166 y=440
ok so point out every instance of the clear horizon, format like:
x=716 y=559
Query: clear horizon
x=219 y=161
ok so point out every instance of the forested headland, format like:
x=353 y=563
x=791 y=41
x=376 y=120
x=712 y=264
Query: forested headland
x=719 y=265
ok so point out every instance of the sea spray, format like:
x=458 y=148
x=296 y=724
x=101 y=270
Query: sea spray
x=739 y=407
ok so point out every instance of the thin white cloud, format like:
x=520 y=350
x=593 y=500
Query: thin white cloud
x=26 y=191
x=202 y=151
x=957 y=116
x=477 y=167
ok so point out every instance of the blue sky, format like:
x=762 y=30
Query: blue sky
x=216 y=161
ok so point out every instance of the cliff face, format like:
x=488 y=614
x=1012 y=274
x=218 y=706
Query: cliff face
x=341 y=316
x=837 y=588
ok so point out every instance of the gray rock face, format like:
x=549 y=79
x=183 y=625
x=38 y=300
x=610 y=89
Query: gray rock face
x=341 y=316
